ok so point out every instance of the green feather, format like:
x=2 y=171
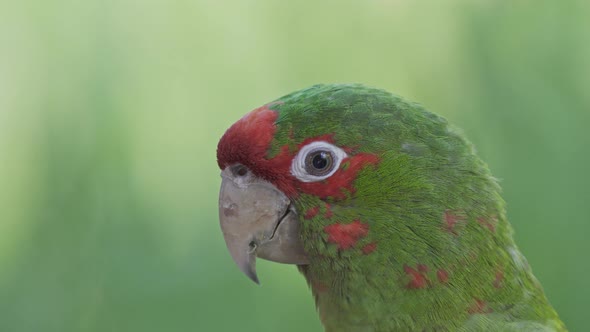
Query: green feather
x=444 y=258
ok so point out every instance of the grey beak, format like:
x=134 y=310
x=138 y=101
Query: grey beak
x=258 y=220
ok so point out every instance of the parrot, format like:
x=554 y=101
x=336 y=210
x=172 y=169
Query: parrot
x=385 y=209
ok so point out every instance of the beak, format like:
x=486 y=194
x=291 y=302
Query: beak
x=258 y=220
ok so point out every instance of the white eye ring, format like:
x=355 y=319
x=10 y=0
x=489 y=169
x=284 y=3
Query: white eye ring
x=300 y=167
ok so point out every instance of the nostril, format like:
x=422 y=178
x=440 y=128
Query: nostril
x=240 y=170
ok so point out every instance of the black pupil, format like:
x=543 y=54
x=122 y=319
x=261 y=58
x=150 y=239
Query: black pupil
x=320 y=161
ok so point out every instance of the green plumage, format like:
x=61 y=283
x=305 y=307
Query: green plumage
x=438 y=253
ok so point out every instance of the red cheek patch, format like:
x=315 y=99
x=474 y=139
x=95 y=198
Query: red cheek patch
x=346 y=235
x=340 y=185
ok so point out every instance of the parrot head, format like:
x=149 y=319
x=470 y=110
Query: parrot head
x=384 y=207
x=325 y=172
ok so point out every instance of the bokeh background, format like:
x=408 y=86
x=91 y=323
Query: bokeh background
x=110 y=112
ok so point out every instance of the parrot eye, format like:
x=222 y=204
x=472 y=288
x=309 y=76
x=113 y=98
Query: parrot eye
x=317 y=161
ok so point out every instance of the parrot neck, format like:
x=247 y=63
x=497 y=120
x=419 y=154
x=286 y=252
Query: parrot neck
x=383 y=288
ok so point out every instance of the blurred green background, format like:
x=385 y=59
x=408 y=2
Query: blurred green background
x=110 y=112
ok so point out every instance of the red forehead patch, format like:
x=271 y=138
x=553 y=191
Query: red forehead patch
x=247 y=139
